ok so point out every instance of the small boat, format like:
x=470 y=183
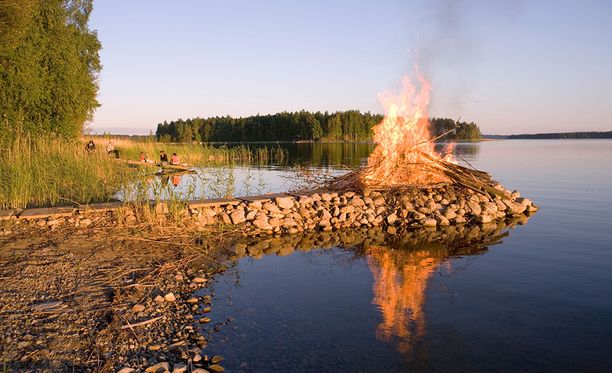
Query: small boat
x=178 y=167
x=165 y=167
x=174 y=172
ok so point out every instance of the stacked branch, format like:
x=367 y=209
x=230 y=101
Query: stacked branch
x=427 y=172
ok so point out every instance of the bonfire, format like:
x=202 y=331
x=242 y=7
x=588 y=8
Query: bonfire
x=405 y=155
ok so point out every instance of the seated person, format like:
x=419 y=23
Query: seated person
x=175 y=160
x=163 y=157
x=90 y=147
x=110 y=149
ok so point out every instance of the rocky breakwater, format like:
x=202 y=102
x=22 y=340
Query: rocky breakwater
x=432 y=207
x=413 y=208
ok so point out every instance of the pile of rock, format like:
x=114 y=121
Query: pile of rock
x=292 y=213
x=432 y=207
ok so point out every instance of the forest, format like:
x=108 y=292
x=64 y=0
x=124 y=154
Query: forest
x=350 y=125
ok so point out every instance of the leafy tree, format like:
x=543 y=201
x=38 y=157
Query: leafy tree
x=49 y=61
x=452 y=130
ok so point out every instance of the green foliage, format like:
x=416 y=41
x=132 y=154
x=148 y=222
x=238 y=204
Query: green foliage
x=350 y=125
x=285 y=126
x=334 y=127
x=446 y=127
x=49 y=63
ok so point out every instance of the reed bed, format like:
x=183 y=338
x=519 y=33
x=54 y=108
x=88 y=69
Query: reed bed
x=48 y=172
x=196 y=154
x=42 y=172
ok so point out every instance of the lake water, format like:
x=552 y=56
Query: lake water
x=535 y=297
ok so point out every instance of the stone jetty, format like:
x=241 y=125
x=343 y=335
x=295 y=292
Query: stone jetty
x=431 y=207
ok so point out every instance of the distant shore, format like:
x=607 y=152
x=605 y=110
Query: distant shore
x=553 y=136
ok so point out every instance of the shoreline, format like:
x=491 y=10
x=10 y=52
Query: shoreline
x=291 y=213
x=139 y=291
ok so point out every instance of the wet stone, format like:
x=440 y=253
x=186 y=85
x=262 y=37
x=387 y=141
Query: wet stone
x=179 y=368
x=216 y=368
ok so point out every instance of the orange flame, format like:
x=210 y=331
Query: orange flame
x=405 y=148
x=449 y=149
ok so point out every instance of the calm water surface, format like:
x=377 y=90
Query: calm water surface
x=538 y=299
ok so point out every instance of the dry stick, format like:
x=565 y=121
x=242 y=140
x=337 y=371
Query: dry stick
x=442 y=135
x=146 y=322
x=131 y=327
x=480 y=182
x=467 y=162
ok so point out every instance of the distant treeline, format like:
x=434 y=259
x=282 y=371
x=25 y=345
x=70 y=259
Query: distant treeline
x=565 y=135
x=351 y=125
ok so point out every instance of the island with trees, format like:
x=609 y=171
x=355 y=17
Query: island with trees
x=350 y=125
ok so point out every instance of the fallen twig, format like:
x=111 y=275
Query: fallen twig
x=146 y=322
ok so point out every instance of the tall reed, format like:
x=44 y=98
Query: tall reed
x=195 y=154
x=36 y=172
x=50 y=171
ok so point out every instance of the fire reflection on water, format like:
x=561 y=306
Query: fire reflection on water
x=402 y=265
x=400 y=281
x=402 y=270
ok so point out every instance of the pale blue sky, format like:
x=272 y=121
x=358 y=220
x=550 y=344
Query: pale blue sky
x=510 y=66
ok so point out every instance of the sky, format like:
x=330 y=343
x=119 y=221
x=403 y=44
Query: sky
x=521 y=66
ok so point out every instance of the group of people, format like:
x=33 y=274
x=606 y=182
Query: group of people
x=163 y=158
x=90 y=148
x=146 y=158
x=174 y=160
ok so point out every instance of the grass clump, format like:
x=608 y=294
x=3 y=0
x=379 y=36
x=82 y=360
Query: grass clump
x=37 y=172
